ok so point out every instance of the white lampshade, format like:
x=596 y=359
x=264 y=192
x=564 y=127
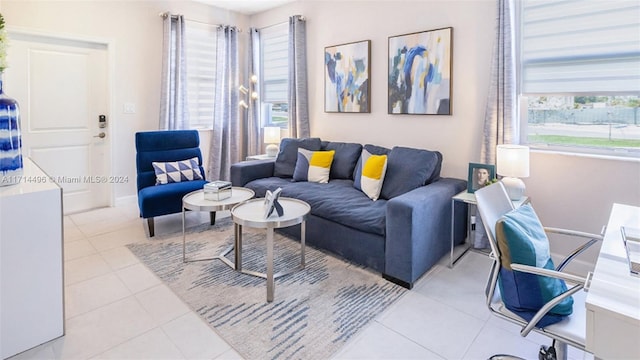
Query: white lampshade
x=512 y=164
x=513 y=160
x=272 y=137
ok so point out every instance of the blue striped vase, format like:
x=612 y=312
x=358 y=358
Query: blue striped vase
x=10 y=140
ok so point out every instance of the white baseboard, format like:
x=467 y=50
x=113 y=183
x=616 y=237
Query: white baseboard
x=126 y=200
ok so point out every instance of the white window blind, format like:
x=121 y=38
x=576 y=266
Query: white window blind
x=274 y=42
x=580 y=46
x=200 y=48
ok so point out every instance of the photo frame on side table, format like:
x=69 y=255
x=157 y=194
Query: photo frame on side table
x=420 y=73
x=347 y=72
x=480 y=175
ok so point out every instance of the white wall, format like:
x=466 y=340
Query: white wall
x=135 y=30
x=568 y=191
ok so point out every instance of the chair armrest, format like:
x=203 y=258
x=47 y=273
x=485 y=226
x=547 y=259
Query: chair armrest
x=571 y=233
x=577 y=251
x=246 y=171
x=579 y=285
x=549 y=273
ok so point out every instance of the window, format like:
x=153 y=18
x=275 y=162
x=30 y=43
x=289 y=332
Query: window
x=274 y=51
x=200 y=53
x=580 y=75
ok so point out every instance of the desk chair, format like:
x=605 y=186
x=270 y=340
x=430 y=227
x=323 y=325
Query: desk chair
x=493 y=204
x=165 y=146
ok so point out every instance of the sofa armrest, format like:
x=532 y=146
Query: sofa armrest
x=418 y=225
x=246 y=171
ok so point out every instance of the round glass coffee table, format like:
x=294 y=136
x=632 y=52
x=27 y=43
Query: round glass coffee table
x=195 y=201
x=251 y=213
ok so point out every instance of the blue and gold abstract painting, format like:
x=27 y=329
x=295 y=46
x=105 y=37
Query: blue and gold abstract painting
x=346 y=77
x=420 y=73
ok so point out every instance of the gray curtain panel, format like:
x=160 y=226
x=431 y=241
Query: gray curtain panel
x=500 y=121
x=226 y=139
x=254 y=141
x=174 y=109
x=298 y=97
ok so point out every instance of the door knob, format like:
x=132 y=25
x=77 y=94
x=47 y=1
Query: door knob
x=101 y=135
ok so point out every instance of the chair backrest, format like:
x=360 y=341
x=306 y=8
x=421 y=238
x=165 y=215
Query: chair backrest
x=493 y=202
x=164 y=146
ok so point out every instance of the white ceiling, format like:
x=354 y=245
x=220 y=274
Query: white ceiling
x=247 y=7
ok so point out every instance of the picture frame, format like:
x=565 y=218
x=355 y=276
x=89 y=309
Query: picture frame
x=424 y=56
x=479 y=176
x=347 y=74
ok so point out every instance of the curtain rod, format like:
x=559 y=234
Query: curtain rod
x=280 y=23
x=165 y=14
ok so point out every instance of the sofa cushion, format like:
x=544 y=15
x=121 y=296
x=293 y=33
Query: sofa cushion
x=409 y=169
x=313 y=166
x=372 y=173
x=288 y=155
x=522 y=240
x=345 y=159
x=177 y=171
x=337 y=201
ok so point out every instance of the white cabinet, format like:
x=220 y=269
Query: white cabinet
x=31 y=262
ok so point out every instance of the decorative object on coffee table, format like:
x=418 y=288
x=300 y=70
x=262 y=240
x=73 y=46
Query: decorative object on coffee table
x=271 y=203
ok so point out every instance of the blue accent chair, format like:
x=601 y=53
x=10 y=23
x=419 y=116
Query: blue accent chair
x=164 y=146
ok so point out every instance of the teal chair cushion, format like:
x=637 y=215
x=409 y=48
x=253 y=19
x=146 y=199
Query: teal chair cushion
x=522 y=240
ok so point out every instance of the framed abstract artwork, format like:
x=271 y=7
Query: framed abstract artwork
x=420 y=73
x=346 y=77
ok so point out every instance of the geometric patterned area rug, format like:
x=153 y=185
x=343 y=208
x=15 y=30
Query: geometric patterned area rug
x=315 y=310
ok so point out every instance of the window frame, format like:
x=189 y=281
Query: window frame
x=281 y=29
x=522 y=107
x=190 y=25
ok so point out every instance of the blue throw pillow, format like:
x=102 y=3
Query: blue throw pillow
x=409 y=169
x=288 y=155
x=522 y=240
x=345 y=159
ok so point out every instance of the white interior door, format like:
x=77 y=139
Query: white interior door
x=61 y=88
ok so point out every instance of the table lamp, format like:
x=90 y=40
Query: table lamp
x=272 y=138
x=512 y=164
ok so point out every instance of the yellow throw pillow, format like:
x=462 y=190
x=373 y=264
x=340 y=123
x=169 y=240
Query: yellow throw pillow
x=374 y=167
x=313 y=166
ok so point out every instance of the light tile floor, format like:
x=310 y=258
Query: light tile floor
x=117 y=309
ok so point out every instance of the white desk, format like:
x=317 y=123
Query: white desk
x=613 y=300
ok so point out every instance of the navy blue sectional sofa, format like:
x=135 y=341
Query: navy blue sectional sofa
x=401 y=235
